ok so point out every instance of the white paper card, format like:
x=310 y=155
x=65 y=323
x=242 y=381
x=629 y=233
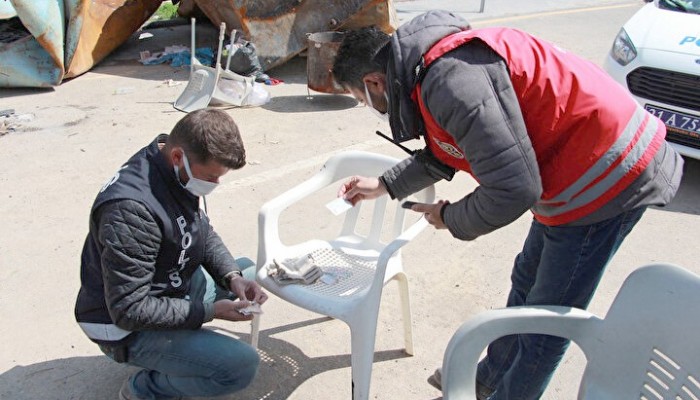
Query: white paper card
x=339 y=206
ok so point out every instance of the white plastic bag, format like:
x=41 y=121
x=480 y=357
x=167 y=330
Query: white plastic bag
x=236 y=92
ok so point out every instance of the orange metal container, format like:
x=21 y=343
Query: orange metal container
x=323 y=46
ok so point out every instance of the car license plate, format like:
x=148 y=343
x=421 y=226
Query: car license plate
x=677 y=122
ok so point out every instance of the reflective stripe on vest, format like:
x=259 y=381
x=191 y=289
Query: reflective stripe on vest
x=103 y=332
x=606 y=143
x=633 y=149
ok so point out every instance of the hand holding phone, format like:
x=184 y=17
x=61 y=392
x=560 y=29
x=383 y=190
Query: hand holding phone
x=408 y=204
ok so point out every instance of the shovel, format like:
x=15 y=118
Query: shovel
x=203 y=79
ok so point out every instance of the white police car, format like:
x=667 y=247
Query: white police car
x=656 y=56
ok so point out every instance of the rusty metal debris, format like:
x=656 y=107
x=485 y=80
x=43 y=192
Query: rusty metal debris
x=279 y=28
x=44 y=42
x=97 y=27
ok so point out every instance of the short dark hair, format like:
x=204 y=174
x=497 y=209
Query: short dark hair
x=356 y=56
x=210 y=134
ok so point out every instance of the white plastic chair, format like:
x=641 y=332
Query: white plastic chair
x=646 y=347
x=362 y=263
x=213 y=84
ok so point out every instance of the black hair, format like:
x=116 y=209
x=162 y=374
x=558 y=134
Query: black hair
x=356 y=56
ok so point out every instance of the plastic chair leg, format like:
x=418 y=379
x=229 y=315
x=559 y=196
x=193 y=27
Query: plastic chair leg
x=362 y=347
x=255 y=331
x=402 y=281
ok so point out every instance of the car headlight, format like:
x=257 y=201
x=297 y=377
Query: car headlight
x=623 y=50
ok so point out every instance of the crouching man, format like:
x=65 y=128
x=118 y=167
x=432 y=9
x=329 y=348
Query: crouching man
x=153 y=269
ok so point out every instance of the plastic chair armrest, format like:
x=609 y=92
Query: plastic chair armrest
x=466 y=345
x=394 y=246
x=269 y=214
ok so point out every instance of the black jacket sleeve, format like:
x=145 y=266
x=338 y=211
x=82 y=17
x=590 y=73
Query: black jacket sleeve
x=407 y=177
x=130 y=240
x=218 y=261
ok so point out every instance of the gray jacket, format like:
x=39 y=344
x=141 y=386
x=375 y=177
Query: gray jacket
x=469 y=93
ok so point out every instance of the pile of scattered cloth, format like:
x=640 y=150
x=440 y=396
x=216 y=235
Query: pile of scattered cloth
x=178 y=56
x=244 y=59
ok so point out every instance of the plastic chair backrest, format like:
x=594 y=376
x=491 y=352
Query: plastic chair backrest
x=387 y=263
x=650 y=339
x=334 y=172
x=647 y=346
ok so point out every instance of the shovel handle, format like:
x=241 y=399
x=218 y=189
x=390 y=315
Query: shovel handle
x=192 y=58
x=230 y=50
x=222 y=32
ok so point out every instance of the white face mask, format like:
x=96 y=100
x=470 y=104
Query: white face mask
x=197 y=187
x=383 y=116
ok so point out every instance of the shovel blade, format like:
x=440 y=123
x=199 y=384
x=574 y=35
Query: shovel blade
x=198 y=92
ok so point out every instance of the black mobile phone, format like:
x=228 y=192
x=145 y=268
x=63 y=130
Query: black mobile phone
x=408 y=204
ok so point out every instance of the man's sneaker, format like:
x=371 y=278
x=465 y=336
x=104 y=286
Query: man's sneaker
x=482 y=392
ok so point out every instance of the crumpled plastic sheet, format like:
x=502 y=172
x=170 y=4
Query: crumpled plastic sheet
x=179 y=56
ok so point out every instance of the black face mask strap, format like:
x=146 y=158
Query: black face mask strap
x=402 y=147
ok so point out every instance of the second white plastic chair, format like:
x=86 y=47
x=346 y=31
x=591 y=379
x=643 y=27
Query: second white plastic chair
x=646 y=347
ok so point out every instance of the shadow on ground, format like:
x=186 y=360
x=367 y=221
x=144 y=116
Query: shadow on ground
x=69 y=378
x=283 y=368
x=311 y=103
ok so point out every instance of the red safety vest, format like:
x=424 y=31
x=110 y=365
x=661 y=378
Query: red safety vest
x=590 y=137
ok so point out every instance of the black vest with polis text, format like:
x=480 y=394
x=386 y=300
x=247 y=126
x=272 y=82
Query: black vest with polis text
x=147 y=178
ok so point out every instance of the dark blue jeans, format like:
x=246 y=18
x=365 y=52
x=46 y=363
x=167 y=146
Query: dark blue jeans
x=557 y=266
x=192 y=363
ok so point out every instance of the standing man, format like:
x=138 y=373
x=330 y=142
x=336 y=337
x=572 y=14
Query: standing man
x=540 y=129
x=153 y=269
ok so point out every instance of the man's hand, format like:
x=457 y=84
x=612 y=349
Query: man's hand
x=228 y=310
x=361 y=188
x=247 y=290
x=432 y=213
